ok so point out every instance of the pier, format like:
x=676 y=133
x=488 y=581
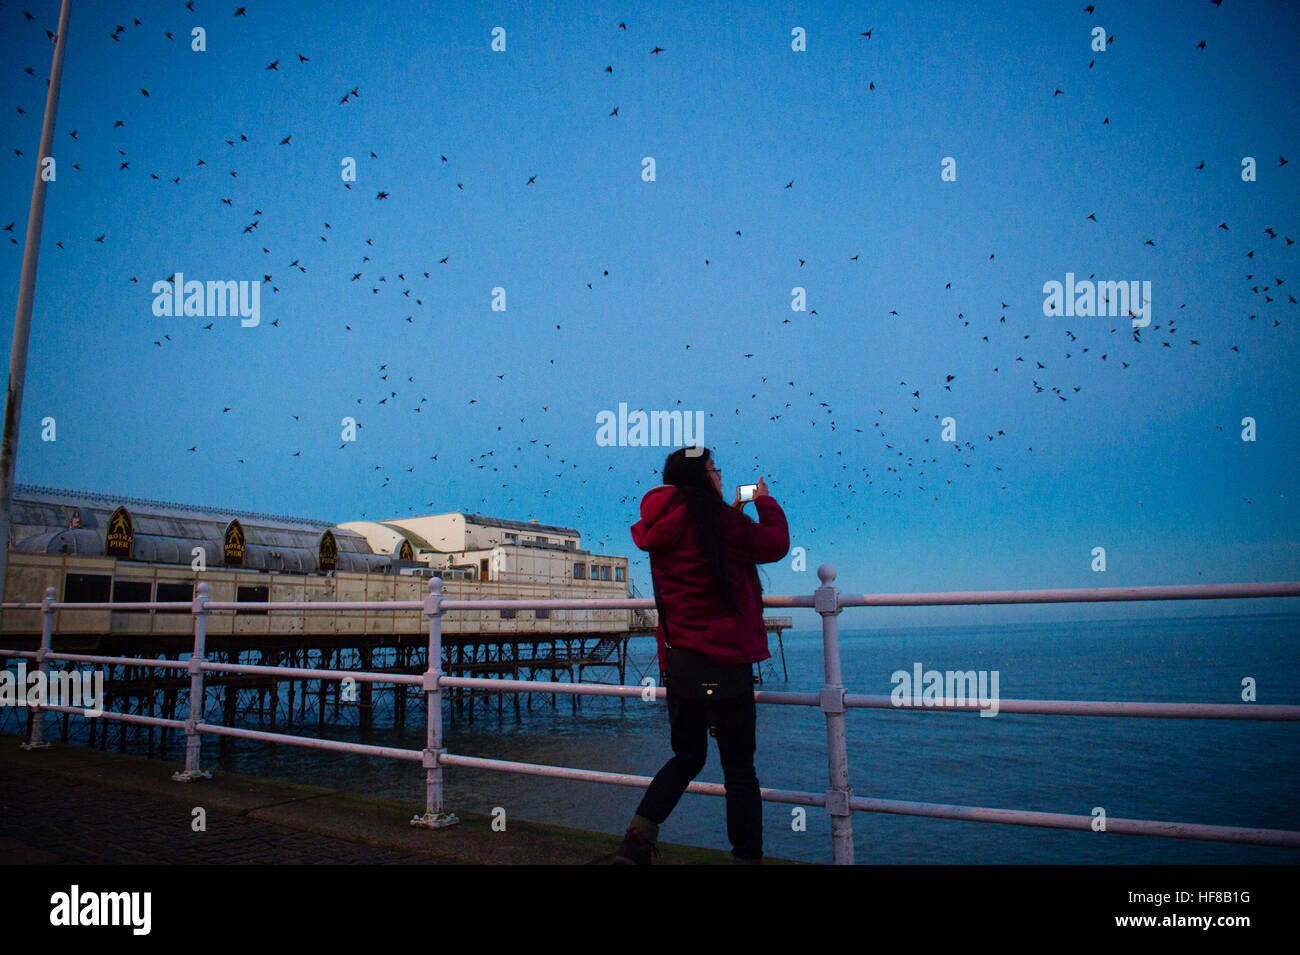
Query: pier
x=135 y=555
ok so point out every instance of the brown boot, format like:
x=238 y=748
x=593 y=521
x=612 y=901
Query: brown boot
x=638 y=842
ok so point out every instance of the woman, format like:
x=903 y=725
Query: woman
x=702 y=560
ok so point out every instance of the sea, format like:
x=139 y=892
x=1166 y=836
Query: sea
x=1210 y=771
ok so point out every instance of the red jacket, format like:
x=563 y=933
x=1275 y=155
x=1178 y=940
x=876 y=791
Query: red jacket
x=698 y=617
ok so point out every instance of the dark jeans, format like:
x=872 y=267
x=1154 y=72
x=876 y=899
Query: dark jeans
x=690 y=723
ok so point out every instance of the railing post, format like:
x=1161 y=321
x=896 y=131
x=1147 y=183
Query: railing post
x=193 y=741
x=434 y=817
x=34 y=739
x=826 y=601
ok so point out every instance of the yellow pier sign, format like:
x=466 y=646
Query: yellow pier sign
x=328 y=558
x=121 y=534
x=235 y=545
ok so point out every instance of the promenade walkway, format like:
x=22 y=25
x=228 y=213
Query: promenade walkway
x=73 y=805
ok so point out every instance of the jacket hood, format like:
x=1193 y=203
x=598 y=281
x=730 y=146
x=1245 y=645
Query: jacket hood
x=663 y=519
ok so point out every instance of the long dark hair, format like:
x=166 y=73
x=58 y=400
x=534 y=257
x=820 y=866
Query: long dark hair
x=687 y=469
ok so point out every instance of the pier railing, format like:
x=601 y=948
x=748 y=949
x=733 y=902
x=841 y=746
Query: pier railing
x=832 y=700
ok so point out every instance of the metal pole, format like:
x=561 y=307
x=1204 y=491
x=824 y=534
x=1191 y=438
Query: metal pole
x=827 y=603
x=34 y=740
x=434 y=816
x=193 y=741
x=26 y=292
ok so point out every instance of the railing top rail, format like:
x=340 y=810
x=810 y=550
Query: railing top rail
x=1282 y=588
x=1287 y=588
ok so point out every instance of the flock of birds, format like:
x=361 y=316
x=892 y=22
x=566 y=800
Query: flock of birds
x=1053 y=361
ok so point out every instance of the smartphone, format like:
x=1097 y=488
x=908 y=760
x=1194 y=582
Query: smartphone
x=747 y=492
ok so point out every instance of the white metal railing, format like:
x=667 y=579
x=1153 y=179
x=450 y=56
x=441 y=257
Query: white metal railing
x=833 y=700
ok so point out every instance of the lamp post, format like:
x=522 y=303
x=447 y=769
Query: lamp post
x=26 y=292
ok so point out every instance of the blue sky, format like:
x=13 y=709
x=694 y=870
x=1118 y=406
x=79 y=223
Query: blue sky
x=619 y=289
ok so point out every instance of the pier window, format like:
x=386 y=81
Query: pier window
x=579 y=571
x=86 y=588
x=620 y=573
x=508 y=614
x=543 y=613
x=170 y=592
x=260 y=593
x=131 y=591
